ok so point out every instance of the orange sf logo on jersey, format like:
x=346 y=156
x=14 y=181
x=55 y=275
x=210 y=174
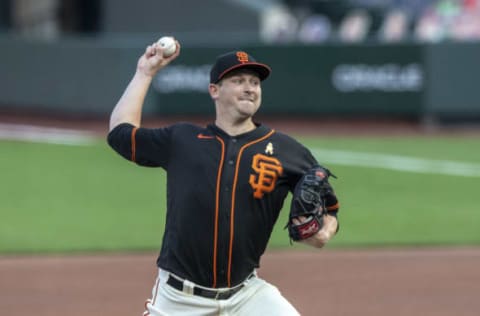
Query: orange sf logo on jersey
x=267 y=171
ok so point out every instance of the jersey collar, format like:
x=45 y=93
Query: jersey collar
x=259 y=131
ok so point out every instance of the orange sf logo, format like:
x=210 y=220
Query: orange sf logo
x=267 y=171
x=242 y=57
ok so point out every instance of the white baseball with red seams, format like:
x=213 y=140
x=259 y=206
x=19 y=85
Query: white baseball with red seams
x=168 y=45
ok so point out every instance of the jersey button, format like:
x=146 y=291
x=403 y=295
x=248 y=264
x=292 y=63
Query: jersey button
x=230 y=162
x=234 y=140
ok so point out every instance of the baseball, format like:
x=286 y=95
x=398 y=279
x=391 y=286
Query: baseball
x=168 y=45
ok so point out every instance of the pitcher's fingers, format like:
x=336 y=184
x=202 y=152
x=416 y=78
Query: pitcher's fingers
x=299 y=220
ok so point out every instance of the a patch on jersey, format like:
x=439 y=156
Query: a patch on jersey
x=269 y=149
x=267 y=171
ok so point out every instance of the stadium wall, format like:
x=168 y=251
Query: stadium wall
x=88 y=75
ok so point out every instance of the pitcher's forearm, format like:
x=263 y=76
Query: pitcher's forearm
x=129 y=107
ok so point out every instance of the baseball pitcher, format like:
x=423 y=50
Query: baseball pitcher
x=226 y=184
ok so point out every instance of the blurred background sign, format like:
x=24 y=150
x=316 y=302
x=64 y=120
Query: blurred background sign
x=337 y=80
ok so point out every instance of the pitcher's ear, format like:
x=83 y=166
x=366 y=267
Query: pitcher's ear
x=213 y=90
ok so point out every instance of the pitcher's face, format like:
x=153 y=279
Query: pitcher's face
x=238 y=93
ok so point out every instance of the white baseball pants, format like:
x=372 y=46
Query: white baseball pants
x=257 y=297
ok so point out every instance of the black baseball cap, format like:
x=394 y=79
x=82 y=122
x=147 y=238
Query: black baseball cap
x=237 y=60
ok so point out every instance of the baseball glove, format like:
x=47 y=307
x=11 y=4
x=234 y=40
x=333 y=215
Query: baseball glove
x=312 y=198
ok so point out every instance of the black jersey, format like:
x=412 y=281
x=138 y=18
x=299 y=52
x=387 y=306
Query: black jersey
x=224 y=194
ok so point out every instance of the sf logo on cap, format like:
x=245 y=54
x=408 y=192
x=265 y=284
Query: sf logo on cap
x=242 y=57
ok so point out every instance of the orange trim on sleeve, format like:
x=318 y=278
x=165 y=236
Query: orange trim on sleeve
x=232 y=211
x=134 y=144
x=333 y=207
x=217 y=206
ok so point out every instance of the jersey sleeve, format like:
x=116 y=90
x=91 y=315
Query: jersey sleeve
x=144 y=146
x=300 y=163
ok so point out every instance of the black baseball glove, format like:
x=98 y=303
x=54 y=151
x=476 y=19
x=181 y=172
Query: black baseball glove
x=312 y=198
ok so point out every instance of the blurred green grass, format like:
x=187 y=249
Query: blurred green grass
x=58 y=198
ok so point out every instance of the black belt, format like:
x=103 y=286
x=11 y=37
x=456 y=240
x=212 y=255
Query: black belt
x=215 y=294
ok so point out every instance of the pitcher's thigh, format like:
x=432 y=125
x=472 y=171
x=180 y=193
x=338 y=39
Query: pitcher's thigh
x=266 y=300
